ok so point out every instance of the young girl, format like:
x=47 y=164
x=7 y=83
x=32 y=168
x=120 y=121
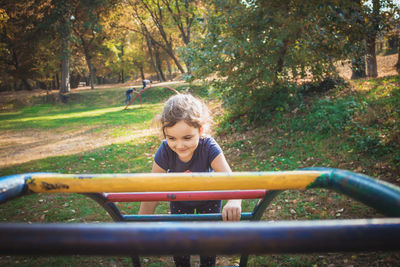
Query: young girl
x=186 y=149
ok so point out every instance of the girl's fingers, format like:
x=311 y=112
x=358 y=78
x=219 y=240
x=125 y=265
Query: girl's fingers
x=231 y=214
x=236 y=216
x=224 y=216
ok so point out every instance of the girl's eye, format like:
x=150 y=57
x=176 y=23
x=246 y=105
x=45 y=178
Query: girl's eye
x=188 y=138
x=171 y=138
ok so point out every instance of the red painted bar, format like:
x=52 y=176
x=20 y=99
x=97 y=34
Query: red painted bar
x=185 y=196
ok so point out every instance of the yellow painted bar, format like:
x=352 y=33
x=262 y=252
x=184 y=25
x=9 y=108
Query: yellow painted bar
x=156 y=182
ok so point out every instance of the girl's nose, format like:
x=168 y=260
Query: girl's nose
x=179 y=144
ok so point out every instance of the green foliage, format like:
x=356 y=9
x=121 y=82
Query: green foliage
x=368 y=120
x=369 y=143
x=258 y=109
x=323 y=86
x=376 y=131
x=255 y=49
x=327 y=116
x=23 y=23
x=228 y=124
x=199 y=90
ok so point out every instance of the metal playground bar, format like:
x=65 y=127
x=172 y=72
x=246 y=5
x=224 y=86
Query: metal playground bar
x=147 y=236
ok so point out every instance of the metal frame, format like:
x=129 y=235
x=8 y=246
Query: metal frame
x=204 y=237
x=106 y=200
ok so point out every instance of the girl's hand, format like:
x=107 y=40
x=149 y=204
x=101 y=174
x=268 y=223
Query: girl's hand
x=232 y=210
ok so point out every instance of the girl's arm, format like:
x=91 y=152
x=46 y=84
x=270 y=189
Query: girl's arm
x=150 y=207
x=233 y=208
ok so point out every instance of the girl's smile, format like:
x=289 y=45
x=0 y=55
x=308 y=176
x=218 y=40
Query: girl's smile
x=183 y=139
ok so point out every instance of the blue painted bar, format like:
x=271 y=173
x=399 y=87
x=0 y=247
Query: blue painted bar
x=109 y=207
x=171 y=238
x=181 y=217
x=11 y=187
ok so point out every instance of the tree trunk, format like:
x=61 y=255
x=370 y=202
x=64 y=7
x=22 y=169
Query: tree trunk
x=141 y=72
x=122 y=76
x=172 y=55
x=358 y=63
x=159 y=64
x=169 y=70
x=372 y=68
x=20 y=75
x=398 y=59
x=65 y=79
x=89 y=64
x=88 y=58
x=122 y=65
x=75 y=79
x=150 y=48
x=57 y=81
x=91 y=72
x=26 y=84
x=357 y=38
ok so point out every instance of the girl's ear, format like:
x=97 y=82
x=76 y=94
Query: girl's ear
x=201 y=130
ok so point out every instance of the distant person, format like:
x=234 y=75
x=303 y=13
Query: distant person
x=145 y=83
x=128 y=95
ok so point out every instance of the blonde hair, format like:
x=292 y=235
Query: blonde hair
x=185 y=107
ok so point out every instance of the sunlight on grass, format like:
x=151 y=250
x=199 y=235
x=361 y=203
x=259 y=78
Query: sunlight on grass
x=85 y=114
x=75 y=118
x=3 y=114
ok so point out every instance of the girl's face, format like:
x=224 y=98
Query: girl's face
x=183 y=139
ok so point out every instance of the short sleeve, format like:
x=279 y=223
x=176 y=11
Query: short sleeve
x=161 y=157
x=213 y=149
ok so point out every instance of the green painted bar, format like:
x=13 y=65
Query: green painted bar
x=380 y=195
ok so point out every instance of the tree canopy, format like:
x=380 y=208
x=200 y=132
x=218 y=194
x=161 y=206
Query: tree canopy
x=255 y=50
x=258 y=51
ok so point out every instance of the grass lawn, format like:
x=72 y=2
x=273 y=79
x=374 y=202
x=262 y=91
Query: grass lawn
x=355 y=128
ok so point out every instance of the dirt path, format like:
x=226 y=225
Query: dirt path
x=21 y=147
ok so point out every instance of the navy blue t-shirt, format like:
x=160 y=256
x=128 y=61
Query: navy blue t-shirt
x=207 y=150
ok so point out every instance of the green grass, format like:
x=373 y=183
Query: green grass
x=343 y=128
x=89 y=108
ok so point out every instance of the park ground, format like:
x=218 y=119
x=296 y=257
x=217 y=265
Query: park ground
x=93 y=134
x=20 y=147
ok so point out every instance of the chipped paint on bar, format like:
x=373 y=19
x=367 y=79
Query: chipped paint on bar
x=148 y=182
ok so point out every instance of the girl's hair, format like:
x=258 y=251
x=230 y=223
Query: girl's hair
x=187 y=108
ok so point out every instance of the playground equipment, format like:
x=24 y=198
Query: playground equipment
x=139 y=94
x=155 y=238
